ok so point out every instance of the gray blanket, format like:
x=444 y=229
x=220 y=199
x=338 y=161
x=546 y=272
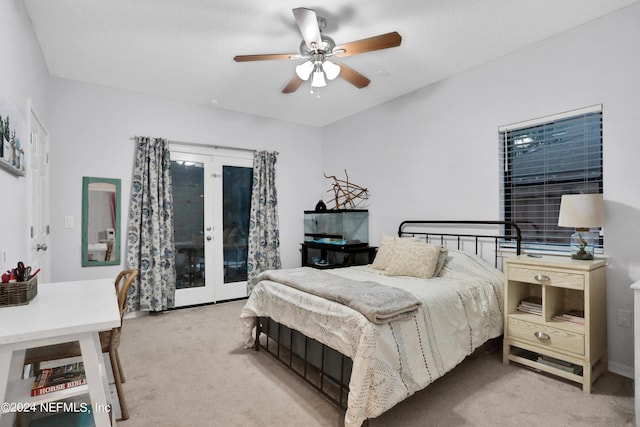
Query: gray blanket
x=377 y=302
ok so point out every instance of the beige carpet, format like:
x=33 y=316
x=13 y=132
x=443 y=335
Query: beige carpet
x=188 y=368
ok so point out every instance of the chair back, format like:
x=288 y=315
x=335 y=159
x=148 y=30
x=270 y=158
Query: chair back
x=123 y=282
x=110 y=340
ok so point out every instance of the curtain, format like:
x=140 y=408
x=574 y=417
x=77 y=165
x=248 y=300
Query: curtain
x=264 y=232
x=150 y=245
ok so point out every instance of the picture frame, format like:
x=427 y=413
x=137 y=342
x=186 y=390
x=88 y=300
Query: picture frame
x=13 y=136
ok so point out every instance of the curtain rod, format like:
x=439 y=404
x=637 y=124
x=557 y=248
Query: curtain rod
x=133 y=138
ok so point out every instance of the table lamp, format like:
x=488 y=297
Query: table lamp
x=582 y=212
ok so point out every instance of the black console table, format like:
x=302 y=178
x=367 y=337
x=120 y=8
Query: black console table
x=326 y=255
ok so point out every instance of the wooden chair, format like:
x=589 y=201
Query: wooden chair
x=107 y=254
x=109 y=340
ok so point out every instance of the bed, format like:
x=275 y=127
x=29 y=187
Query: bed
x=368 y=364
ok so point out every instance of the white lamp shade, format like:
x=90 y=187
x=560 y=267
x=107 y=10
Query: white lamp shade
x=581 y=211
x=330 y=69
x=318 y=79
x=304 y=70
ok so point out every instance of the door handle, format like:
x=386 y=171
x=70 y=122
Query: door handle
x=208 y=238
x=41 y=247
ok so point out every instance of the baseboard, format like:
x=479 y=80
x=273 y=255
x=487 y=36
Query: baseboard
x=624 y=370
x=134 y=314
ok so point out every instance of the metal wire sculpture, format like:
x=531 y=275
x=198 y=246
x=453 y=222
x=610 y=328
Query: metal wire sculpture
x=346 y=193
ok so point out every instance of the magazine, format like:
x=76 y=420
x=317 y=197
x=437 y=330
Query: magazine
x=573 y=316
x=531 y=305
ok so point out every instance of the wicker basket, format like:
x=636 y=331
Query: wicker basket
x=18 y=293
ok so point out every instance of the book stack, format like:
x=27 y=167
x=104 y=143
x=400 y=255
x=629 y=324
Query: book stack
x=573 y=316
x=531 y=305
x=560 y=364
x=58 y=378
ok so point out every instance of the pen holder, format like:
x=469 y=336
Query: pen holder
x=18 y=293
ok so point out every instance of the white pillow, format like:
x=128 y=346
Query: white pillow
x=413 y=258
x=386 y=250
x=384 y=253
x=442 y=259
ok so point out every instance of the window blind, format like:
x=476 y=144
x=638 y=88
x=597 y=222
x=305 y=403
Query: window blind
x=543 y=159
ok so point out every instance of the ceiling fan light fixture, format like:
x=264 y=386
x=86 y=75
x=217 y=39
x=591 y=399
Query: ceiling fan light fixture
x=318 y=77
x=331 y=70
x=304 y=70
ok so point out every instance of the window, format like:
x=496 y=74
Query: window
x=543 y=159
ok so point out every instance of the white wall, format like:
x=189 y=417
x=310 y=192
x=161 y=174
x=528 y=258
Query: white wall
x=433 y=154
x=23 y=76
x=91 y=128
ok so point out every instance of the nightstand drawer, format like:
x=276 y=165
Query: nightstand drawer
x=545 y=335
x=546 y=277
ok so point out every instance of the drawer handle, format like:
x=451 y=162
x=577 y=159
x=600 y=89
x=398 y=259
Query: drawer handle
x=542 y=278
x=542 y=336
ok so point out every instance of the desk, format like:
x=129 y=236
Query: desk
x=61 y=312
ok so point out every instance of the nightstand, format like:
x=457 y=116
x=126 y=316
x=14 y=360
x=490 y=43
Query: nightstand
x=555 y=316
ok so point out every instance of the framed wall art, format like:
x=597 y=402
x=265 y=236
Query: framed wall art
x=13 y=136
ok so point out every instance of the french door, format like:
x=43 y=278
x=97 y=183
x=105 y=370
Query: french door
x=212 y=199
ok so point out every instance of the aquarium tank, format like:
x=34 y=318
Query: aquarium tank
x=340 y=227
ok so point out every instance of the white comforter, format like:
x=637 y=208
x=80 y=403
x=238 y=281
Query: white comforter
x=461 y=310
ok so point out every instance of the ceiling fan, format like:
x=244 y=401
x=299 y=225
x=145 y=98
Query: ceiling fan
x=317 y=48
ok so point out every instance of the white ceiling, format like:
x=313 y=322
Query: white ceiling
x=183 y=50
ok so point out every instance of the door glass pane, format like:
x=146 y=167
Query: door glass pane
x=236 y=205
x=188 y=222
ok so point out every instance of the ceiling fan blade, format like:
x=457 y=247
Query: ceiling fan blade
x=268 y=56
x=383 y=41
x=352 y=76
x=308 y=23
x=293 y=85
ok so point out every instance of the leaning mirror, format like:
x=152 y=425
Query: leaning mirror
x=100 y=221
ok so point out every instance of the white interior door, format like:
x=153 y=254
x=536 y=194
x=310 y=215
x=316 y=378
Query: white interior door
x=212 y=196
x=38 y=176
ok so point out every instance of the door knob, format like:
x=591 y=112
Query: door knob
x=208 y=238
x=41 y=247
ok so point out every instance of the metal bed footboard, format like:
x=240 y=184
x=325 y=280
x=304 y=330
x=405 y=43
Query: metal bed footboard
x=324 y=368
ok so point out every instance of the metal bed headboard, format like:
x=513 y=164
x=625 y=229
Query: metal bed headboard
x=509 y=231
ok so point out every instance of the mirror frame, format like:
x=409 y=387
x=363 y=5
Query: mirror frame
x=86 y=180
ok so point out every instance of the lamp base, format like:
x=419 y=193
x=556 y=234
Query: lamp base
x=583 y=244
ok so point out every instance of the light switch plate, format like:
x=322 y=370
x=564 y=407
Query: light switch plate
x=68 y=222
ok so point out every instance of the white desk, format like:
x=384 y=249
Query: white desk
x=61 y=312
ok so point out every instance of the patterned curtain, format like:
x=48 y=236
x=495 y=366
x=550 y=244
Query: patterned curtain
x=150 y=245
x=264 y=233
